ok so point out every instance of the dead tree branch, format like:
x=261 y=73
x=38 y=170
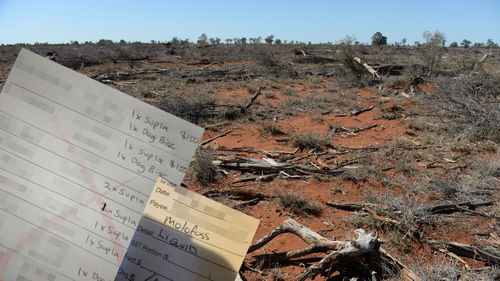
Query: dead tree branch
x=372 y=71
x=355 y=112
x=336 y=253
x=253 y=98
x=216 y=137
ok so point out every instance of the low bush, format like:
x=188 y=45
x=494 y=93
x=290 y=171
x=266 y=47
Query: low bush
x=473 y=102
x=298 y=205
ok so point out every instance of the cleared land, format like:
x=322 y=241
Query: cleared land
x=306 y=132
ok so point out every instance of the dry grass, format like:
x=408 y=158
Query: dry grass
x=297 y=204
x=309 y=141
x=273 y=129
x=474 y=103
x=203 y=167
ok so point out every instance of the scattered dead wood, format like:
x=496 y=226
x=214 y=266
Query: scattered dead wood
x=468 y=251
x=267 y=166
x=216 y=137
x=433 y=210
x=336 y=253
x=192 y=75
x=372 y=71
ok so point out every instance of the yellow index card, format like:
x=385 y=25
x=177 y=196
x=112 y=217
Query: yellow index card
x=186 y=236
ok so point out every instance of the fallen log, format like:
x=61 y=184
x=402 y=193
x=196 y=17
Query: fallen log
x=391 y=69
x=460 y=207
x=361 y=129
x=366 y=207
x=468 y=251
x=258 y=178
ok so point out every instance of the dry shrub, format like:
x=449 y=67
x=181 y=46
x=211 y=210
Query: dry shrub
x=309 y=141
x=196 y=109
x=203 y=167
x=473 y=184
x=474 y=103
x=406 y=210
x=444 y=269
x=273 y=129
x=276 y=67
x=297 y=204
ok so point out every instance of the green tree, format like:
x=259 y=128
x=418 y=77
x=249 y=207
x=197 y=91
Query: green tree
x=491 y=44
x=465 y=43
x=175 y=41
x=454 y=45
x=103 y=42
x=378 y=39
x=269 y=39
x=434 y=39
x=202 y=40
x=432 y=51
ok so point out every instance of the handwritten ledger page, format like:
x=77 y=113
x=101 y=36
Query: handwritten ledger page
x=78 y=161
x=186 y=236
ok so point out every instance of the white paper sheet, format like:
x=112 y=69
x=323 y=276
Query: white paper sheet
x=78 y=161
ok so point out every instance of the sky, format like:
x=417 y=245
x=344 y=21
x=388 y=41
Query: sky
x=61 y=21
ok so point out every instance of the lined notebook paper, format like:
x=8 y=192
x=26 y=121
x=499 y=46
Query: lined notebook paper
x=78 y=161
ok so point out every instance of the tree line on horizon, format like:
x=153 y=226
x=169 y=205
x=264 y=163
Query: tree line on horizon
x=377 y=39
